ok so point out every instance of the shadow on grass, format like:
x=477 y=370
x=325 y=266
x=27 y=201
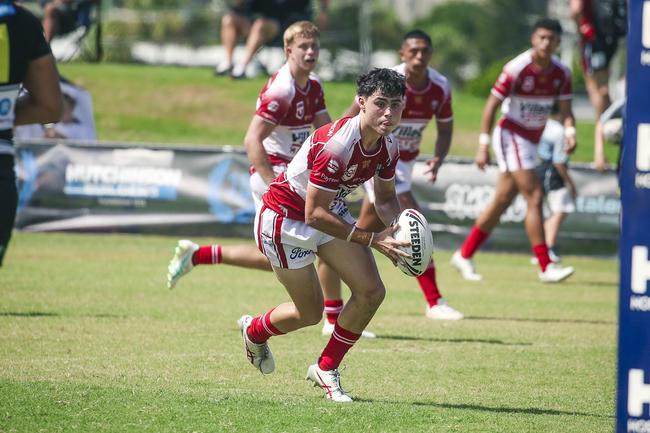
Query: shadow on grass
x=28 y=314
x=451 y=340
x=534 y=320
x=476 y=407
x=50 y=314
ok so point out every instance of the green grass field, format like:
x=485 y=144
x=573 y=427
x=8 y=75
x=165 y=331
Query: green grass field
x=92 y=341
x=189 y=105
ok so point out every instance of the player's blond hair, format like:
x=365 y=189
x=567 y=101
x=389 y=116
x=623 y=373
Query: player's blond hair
x=305 y=29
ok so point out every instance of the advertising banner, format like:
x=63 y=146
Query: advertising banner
x=205 y=191
x=633 y=403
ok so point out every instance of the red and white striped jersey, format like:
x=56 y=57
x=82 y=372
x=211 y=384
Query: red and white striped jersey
x=292 y=109
x=530 y=93
x=421 y=107
x=332 y=159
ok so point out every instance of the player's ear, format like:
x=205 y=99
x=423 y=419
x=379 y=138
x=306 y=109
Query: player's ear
x=361 y=102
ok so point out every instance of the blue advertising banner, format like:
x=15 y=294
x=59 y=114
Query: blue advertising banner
x=633 y=403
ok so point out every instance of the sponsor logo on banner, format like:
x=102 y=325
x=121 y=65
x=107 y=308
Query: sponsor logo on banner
x=645 y=34
x=638 y=398
x=642 y=180
x=468 y=201
x=140 y=182
x=640 y=274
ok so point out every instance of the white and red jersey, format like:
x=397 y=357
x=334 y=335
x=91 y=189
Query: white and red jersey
x=530 y=93
x=292 y=109
x=421 y=106
x=333 y=160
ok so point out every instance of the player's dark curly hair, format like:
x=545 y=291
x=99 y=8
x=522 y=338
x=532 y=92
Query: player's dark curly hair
x=388 y=82
x=418 y=34
x=548 y=24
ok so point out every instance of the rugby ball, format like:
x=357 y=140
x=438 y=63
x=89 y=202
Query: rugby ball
x=414 y=228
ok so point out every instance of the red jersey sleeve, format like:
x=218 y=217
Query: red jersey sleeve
x=386 y=169
x=566 y=91
x=273 y=108
x=445 y=113
x=326 y=170
x=503 y=85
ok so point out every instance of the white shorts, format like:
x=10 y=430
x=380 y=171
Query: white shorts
x=259 y=187
x=512 y=151
x=403 y=179
x=560 y=200
x=287 y=243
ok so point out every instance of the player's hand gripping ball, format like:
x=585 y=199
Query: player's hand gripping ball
x=414 y=228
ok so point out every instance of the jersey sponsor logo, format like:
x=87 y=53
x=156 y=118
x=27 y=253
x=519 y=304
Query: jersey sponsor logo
x=300 y=109
x=298 y=253
x=299 y=137
x=434 y=105
x=349 y=173
x=332 y=166
x=528 y=84
x=274 y=106
x=408 y=131
x=556 y=83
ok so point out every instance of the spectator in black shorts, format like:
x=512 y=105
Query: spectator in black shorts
x=63 y=16
x=259 y=21
x=600 y=24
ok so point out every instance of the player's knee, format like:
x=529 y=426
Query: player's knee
x=312 y=315
x=372 y=295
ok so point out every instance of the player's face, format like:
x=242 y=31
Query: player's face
x=544 y=42
x=304 y=52
x=382 y=113
x=416 y=54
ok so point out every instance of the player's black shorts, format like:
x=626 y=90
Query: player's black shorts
x=598 y=54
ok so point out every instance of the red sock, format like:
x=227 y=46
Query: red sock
x=333 y=308
x=340 y=342
x=473 y=242
x=428 y=285
x=541 y=251
x=207 y=255
x=262 y=329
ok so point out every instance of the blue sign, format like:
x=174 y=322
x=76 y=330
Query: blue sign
x=633 y=403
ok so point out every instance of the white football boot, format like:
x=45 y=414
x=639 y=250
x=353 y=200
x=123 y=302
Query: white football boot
x=181 y=263
x=442 y=311
x=555 y=273
x=258 y=354
x=465 y=266
x=328 y=329
x=329 y=381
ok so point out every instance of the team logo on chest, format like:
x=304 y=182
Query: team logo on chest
x=300 y=109
x=365 y=164
x=528 y=84
x=349 y=173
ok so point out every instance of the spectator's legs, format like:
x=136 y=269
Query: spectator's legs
x=597 y=84
x=552 y=228
x=262 y=30
x=232 y=27
x=50 y=20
